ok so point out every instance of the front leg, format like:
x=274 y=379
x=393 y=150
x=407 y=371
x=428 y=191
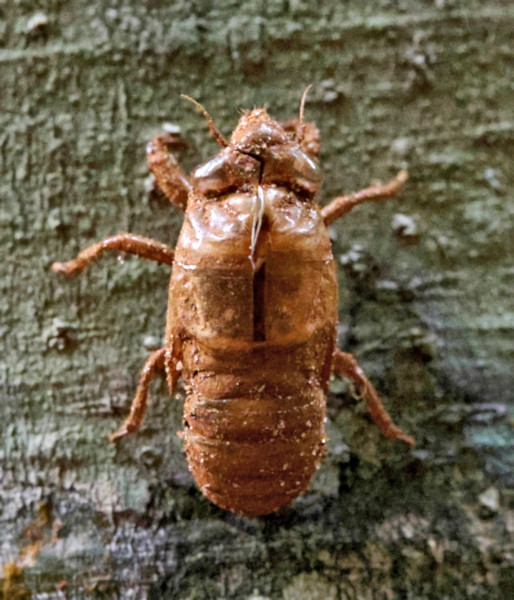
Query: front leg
x=126 y=242
x=169 y=176
x=345 y=364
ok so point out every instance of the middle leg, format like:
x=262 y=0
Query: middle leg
x=126 y=242
x=379 y=191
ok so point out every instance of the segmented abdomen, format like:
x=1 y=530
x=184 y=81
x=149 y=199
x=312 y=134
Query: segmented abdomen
x=255 y=435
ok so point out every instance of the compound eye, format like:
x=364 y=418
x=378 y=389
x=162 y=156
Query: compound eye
x=227 y=171
x=289 y=165
x=305 y=170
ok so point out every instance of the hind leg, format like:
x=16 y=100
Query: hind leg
x=345 y=364
x=153 y=364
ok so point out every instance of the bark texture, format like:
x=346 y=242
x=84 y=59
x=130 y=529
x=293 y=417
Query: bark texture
x=426 y=303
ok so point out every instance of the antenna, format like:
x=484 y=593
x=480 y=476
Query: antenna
x=214 y=132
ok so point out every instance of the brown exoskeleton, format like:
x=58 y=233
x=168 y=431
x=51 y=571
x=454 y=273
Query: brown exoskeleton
x=252 y=311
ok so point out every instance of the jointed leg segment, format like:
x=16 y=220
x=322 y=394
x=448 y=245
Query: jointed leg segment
x=154 y=363
x=344 y=204
x=346 y=365
x=169 y=176
x=126 y=242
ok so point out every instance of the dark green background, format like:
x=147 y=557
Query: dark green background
x=425 y=85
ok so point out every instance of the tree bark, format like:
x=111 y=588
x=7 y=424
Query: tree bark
x=425 y=299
